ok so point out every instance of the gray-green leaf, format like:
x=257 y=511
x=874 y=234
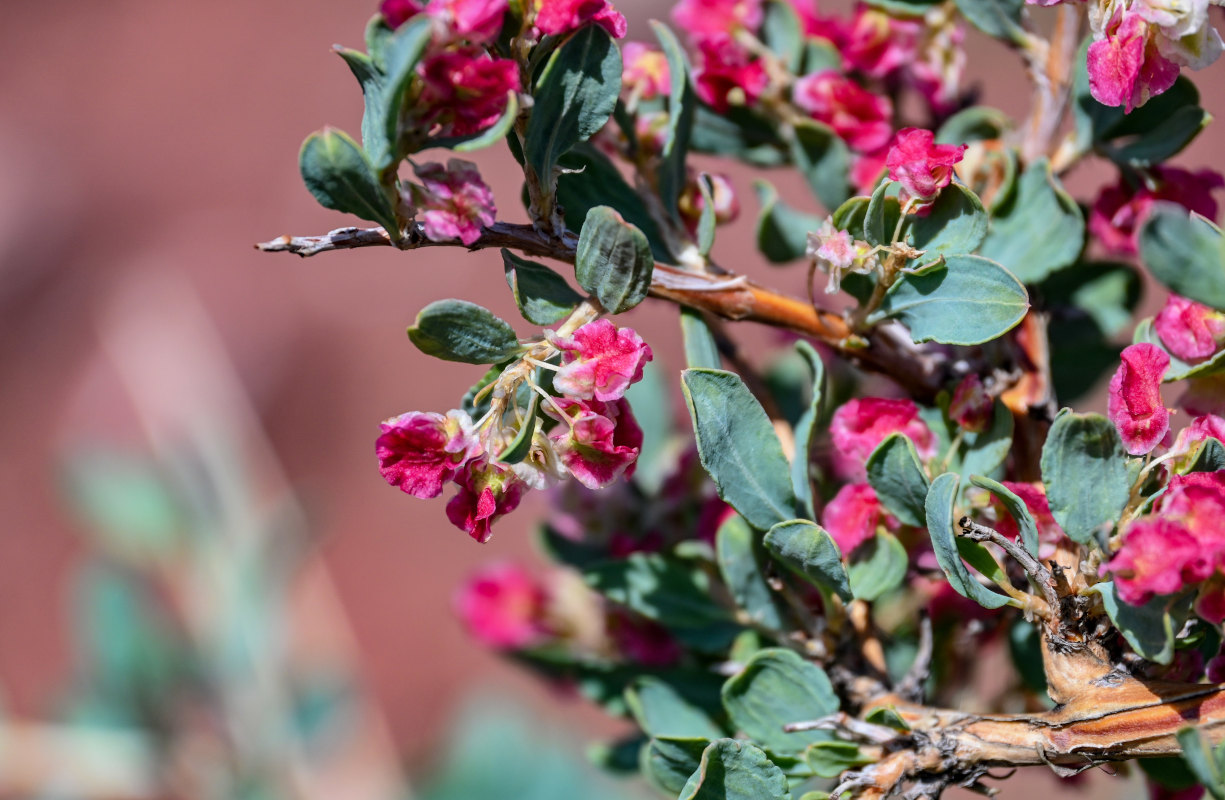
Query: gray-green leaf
x=808 y=550
x=1084 y=470
x=338 y=174
x=777 y=687
x=456 y=330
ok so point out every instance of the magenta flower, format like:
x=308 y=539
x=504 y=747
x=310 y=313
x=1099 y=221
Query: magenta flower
x=1158 y=556
x=1197 y=500
x=971 y=407
x=599 y=361
x=465 y=91
x=1205 y=426
x=859 y=425
x=920 y=165
x=1189 y=330
x=559 y=17
x=453 y=203
x=867 y=170
x=855 y=114
x=706 y=18
x=1120 y=210
x=397 y=12
x=1034 y=497
x=644 y=71
x=487 y=492
x=503 y=606
x=878 y=45
x=1125 y=67
x=420 y=451
x=853 y=515
x=1135 y=405
x=474 y=20
x=724 y=73
x=639 y=640
x=598 y=442
x=723 y=193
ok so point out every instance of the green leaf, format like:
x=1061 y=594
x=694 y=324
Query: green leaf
x=782 y=232
x=823 y=159
x=783 y=33
x=882 y=216
x=738 y=447
x=1016 y=507
x=669 y=591
x=1165 y=140
x=809 y=551
x=1108 y=292
x=739 y=133
x=998 y=18
x=1204 y=764
x=877 y=567
x=1184 y=252
x=700 y=348
x=575 y=95
x=956 y=223
x=468 y=403
x=1084 y=470
x=456 y=330
x=742 y=563
x=982 y=453
x=591 y=180
x=127 y=501
x=521 y=445
x=681 y=106
x=1150 y=629
x=805 y=428
x=543 y=296
x=1039 y=231
x=1178 y=369
x=1209 y=456
x=1025 y=646
x=973 y=124
x=669 y=761
x=970 y=300
x=613 y=261
x=777 y=687
x=652 y=403
x=660 y=711
x=735 y=770
x=940 y=524
x=888 y=717
x=338 y=174
x=831 y=759
x=705 y=234
x=896 y=475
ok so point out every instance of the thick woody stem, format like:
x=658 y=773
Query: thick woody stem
x=724 y=295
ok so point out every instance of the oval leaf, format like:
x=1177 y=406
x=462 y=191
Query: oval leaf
x=738 y=447
x=456 y=330
x=1084 y=470
x=742 y=563
x=613 y=261
x=808 y=550
x=777 y=687
x=543 y=296
x=805 y=428
x=956 y=223
x=877 y=567
x=660 y=711
x=970 y=300
x=1184 y=253
x=896 y=475
x=1040 y=230
x=338 y=174
x=940 y=524
x=735 y=770
x=782 y=232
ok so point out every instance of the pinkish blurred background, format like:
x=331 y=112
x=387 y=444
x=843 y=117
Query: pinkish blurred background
x=144 y=147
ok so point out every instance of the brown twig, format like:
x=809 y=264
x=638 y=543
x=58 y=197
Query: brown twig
x=921 y=371
x=1038 y=574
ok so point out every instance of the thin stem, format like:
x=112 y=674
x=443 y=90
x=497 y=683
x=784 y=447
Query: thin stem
x=1040 y=575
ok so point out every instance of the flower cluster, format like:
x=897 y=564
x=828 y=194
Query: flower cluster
x=588 y=432
x=921 y=166
x=452 y=201
x=1139 y=46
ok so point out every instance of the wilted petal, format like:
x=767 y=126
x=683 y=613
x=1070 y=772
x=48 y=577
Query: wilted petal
x=1135 y=405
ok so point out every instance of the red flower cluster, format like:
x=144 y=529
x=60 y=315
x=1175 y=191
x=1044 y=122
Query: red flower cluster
x=920 y=165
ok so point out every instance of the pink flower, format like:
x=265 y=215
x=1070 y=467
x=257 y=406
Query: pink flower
x=465 y=91
x=397 y=12
x=853 y=515
x=640 y=640
x=836 y=253
x=487 y=492
x=1188 y=329
x=1158 y=556
x=504 y=606
x=1207 y=426
x=473 y=20
x=559 y=17
x=877 y=44
x=599 y=361
x=454 y=202
x=1120 y=210
x=1197 y=500
x=921 y=166
x=706 y=18
x=863 y=423
x=939 y=72
x=598 y=442
x=726 y=75
x=1125 y=68
x=858 y=116
x=1135 y=405
x=644 y=71
x=420 y=451
x=971 y=407
x=867 y=169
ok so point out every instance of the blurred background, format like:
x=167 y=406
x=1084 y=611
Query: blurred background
x=206 y=589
